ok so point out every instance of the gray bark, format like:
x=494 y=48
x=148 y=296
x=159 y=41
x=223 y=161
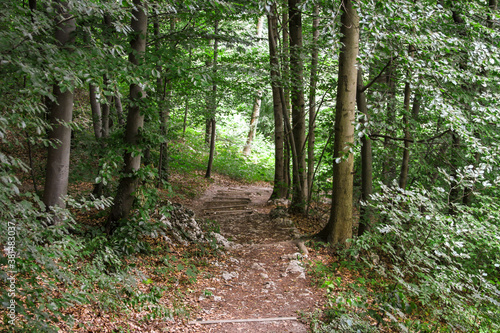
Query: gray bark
x=312 y=103
x=60 y=115
x=128 y=182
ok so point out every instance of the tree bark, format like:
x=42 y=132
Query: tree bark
x=254 y=119
x=213 y=106
x=299 y=187
x=312 y=103
x=339 y=227
x=135 y=121
x=95 y=107
x=279 y=188
x=119 y=109
x=105 y=110
x=405 y=162
x=366 y=217
x=285 y=65
x=61 y=113
x=208 y=174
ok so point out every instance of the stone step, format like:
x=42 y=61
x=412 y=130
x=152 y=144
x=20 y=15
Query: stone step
x=230 y=212
x=225 y=203
x=225 y=208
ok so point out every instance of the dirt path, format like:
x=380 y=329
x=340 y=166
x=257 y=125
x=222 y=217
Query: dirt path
x=262 y=275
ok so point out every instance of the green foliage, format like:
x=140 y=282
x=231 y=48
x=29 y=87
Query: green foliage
x=191 y=153
x=426 y=270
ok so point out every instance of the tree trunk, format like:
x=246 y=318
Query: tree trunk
x=339 y=227
x=254 y=119
x=163 y=97
x=285 y=59
x=455 y=195
x=312 y=103
x=253 y=123
x=387 y=165
x=405 y=163
x=279 y=189
x=366 y=217
x=135 y=121
x=95 y=107
x=105 y=111
x=299 y=187
x=212 y=149
x=213 y=106
x=61 y=113
x=119 y=109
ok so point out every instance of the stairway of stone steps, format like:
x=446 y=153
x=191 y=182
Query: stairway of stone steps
x=230 y=201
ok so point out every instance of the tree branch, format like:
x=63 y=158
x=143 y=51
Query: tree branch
x=379 y=74
x=375 y=136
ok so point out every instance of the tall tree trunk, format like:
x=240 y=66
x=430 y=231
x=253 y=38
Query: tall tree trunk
x=280 y=188
x=339 y=227
x=212 y=149
x=285 y=65
x=61 y=113
x=299 y=187
x=387 y=165
x=312 y=102
x=119 y=109
x=213 y=105
x=254 y=119
x=163 y=95
x=135 y=121
x=186 y=109
x=105 y=110
x=366 y=217
x=455 y=195
x=405 y=163
x=95 y=107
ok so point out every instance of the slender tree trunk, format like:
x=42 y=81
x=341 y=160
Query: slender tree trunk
x=119 y=109
x=163 y=96
x=366 y=217
x=212 y=149
x=213 y=105
x=312 y=103
x=254 y=119
x=299 y=187
x=186 y=109
x=285 y=65
x=405 y=163
x=279 y=189
x=105 y=111
x=61 y=113
x=455 y=195
x=387 y=165
x=135 y=121
x=339 y=227
x=253 y=123
x=95 y=107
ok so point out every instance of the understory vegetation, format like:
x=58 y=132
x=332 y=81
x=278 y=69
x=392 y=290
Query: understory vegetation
x=376 y=123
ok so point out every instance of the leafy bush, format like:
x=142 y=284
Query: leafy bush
x=428 y=270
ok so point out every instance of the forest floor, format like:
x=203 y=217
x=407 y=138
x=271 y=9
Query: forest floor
x=263 y=275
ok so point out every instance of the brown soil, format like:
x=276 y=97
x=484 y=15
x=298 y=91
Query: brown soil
x=253 y=279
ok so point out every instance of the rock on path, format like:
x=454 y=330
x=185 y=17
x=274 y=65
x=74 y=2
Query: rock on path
x=263 y=275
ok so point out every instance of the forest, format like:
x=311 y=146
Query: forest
x=371 y=126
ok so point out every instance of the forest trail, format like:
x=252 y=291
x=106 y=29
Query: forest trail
x=261 y=275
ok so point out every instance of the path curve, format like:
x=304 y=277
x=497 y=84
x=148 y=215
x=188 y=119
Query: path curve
x=262 y=276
